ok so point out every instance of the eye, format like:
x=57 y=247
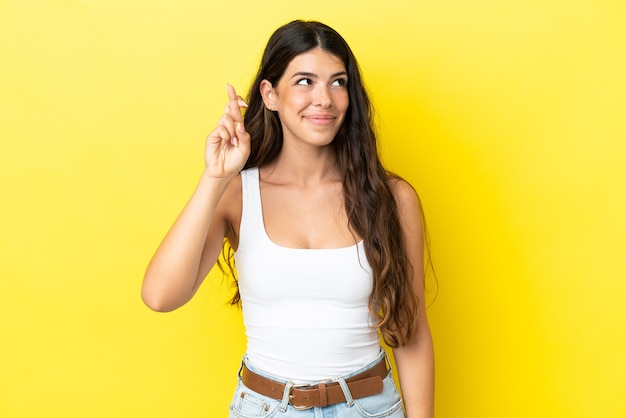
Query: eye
x=304 y=82
x=340 y=82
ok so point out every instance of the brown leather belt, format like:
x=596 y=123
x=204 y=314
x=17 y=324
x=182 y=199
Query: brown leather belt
x=367 y=383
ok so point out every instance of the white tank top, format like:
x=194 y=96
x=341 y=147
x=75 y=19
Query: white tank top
x=305 y=310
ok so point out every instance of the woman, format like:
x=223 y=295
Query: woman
x=328 y=246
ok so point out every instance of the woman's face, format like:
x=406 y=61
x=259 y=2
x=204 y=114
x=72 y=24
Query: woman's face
x=311 y=98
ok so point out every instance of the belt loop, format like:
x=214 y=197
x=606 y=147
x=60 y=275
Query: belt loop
x=346 y=391
x=388 y=361
x=285 y=401
x=323 y=398
x=241 y=366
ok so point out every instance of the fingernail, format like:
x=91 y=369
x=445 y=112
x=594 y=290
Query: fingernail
x=235 y=141
x=241 y=103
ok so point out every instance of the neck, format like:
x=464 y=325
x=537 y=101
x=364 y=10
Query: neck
x=305 y=167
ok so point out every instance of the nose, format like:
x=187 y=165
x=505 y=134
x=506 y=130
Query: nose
x=322 y=97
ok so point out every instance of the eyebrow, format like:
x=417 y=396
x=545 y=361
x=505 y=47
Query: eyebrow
x=312 y=75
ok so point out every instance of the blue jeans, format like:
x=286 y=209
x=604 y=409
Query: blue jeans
x=249 y=404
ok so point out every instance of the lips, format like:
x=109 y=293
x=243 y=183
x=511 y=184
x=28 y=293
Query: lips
x=321 y=119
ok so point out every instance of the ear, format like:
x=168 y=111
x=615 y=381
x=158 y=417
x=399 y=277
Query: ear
x=269 y=94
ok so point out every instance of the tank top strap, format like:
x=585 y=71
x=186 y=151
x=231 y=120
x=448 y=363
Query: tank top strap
x=252 y=225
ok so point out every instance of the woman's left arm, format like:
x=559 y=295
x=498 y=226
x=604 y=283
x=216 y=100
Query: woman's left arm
x=415 y=360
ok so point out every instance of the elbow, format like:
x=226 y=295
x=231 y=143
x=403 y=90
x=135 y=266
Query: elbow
x=158 y=301
x=163 y=293
x=155 y=303
x=156 y=306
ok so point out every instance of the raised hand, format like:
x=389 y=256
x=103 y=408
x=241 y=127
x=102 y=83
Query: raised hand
x=228 y=146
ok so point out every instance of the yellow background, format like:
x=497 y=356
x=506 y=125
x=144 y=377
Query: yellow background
x=508 y=117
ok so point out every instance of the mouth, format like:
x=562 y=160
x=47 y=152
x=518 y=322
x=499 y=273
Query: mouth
x=320 y=119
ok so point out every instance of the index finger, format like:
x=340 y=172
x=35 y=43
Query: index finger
x=232 y=95
x=235 y=103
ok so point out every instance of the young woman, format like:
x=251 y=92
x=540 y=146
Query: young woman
x=328 y=246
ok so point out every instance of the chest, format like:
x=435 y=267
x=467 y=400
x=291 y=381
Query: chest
x=277 y=275
x=306 y=218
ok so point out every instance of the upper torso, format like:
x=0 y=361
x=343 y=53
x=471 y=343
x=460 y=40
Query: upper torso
x=304 y=296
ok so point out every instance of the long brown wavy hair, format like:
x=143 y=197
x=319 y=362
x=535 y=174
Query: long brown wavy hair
x=369 y=201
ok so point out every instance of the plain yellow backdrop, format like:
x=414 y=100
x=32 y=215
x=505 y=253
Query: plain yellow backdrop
x=507 y=116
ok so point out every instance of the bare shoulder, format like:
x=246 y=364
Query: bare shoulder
x=409 y=209
x=405 y=195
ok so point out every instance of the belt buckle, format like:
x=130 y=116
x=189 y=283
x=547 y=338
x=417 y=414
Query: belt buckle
x=298 y=407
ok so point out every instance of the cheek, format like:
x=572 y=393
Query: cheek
x=342 y=102
x=295 y=103
x=300 y=102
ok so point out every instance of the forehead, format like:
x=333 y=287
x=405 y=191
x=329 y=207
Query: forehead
x=315 y=61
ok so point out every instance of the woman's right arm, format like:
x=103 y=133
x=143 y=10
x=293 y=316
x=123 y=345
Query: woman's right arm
x=193 y=243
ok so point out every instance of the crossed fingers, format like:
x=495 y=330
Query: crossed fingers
x=232 y=120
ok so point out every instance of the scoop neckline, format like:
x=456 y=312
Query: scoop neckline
x=283 y=247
